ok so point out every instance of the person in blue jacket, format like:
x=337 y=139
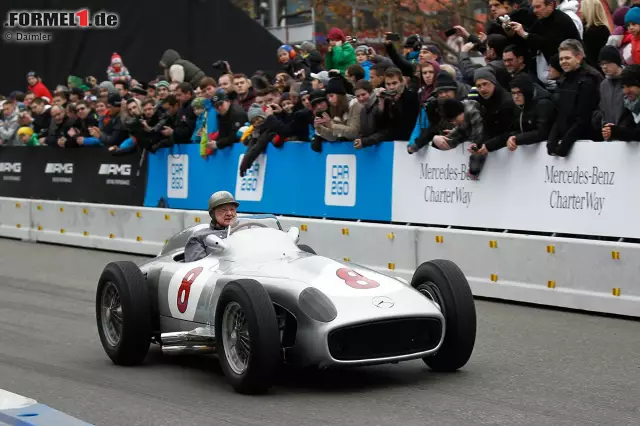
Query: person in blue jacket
x=362 y=56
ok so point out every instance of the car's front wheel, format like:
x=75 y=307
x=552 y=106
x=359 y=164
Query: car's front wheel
x=444 y=283
x=247 y=336
x=123 y=313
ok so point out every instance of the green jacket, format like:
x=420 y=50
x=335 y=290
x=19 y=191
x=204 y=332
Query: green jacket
x=340 y=58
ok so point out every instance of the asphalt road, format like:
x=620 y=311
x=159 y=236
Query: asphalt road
x=530 y=366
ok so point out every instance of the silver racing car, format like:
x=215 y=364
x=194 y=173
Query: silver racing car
x=260 y=300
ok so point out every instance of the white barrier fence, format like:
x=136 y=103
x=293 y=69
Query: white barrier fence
x=578 y=274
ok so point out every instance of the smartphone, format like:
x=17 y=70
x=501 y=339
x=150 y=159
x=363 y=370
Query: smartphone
x=393 y=36
x=450 y=32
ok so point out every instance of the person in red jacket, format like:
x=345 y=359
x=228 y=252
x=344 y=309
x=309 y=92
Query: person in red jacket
x=37 y=87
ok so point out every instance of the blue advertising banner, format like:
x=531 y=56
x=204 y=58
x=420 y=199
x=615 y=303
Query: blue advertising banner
x=339 y=183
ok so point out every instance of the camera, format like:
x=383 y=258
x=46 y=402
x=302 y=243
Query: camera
x=320 y=113
x=506 y=22
x=219 y=65
x=393 y=36
x=388 y=94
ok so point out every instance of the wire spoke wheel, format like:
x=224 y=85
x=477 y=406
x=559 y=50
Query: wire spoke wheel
x=111 y=314
x=235 y=337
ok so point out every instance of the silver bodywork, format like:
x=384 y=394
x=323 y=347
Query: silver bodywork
x=272 y=257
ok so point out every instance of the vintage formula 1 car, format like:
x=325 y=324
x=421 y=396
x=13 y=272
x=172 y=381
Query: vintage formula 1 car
x=260 y=300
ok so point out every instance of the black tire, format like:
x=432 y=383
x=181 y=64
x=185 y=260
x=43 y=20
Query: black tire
x=306 y=248
x=444 y=280
x=264 y=335
x=135 y=335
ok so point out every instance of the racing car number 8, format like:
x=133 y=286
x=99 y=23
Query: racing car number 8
x=185 y=288
x=355 y=280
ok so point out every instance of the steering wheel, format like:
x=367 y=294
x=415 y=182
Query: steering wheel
x=248 y=224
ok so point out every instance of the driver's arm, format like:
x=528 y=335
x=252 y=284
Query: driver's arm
x=195 y=249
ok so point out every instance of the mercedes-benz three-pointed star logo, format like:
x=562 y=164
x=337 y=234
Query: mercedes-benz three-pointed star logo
x=383 y=302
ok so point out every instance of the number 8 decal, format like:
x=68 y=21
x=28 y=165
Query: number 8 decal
x=355 y=280
x=185 y=288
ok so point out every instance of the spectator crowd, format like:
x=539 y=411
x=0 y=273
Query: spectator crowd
x=540 y=72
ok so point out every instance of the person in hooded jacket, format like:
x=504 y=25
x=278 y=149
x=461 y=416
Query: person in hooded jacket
x=178 y=70
x=570 y=7
x=532 y=119
x=341 y=54
x=611 y=93
x=578 y=99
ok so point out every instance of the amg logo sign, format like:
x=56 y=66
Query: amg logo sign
x=10 y=167
x=54 y=168
x=115 y=169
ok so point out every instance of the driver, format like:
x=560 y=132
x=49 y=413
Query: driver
x=222 y=209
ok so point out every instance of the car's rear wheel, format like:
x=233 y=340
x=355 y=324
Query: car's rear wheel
x=123 y=313
x=306 y=248
x=444 y=283
x=247 y=336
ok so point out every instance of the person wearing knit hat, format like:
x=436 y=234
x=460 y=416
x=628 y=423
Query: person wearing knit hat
x=28 y=137
x=256 y=112
x=343 y=122
x=362 y=56
x=555 y=70
x=117 y=71
x=341 y=55
x=445 y=83
x=316 y=97
x=628 y=127
x=632 y=21
x=162 y=90
x=611 y=94
x=452 y=109
x=336 y=86
x=467 y=121
x=485 y=73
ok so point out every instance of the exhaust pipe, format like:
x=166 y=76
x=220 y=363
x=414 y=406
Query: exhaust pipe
x=198 y=341
x=188 y=350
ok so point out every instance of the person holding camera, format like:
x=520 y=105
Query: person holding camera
x=231 y=117
x=341 y=122
x=341 y=54
x=399 y=109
